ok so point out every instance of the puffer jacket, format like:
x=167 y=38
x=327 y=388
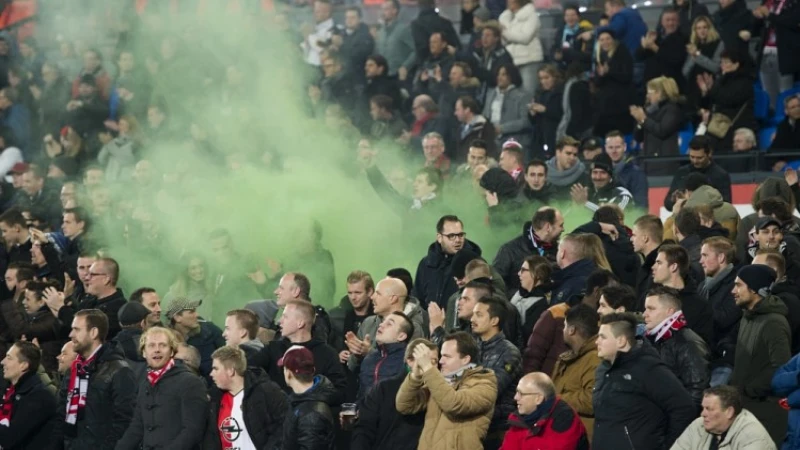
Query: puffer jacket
x=521 y=34
x=381 y=363
x=457 y=416
x=309 y=424
x=264 y=408
x=33 y=416
x=434 y=281
x=686 y=354
x=109 y=405
x=638 y=402
x=547 y=341
x=170 y=414
x=504 y=359
x=558 y=428
x=573 y=377
x=745 y=433
x=761 y=348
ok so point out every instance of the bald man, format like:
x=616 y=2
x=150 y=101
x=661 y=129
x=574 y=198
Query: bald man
x=390 y=296
x=542 y=419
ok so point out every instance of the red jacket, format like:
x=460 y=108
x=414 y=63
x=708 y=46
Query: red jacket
x=560 y=429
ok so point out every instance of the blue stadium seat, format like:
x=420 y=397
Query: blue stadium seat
x=761 y=103
x=765 y=137
x=686 y=135
x=780 y=114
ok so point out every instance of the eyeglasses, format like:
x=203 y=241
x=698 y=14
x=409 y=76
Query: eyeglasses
x=454 y=236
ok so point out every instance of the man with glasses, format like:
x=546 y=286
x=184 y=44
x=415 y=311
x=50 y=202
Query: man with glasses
x=542 y=419
x=434 y=281
x=101 y=284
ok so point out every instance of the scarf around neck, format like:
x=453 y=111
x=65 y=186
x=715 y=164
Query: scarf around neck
x=665 y=329
x=453 y=377
x=79 y=386
x=7 y=406
x=418 y=202
x=154 y=375
x=541 y=411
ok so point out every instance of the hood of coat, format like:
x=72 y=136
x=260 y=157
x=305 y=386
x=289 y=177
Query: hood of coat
x=705 y=195
x=321 y=391
x=772 y=304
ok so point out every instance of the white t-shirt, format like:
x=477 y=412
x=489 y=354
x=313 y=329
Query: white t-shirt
x=232 y=431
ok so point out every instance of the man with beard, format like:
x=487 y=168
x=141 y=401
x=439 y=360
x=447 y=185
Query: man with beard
x=100 y=389
x=770 y=234
x=149 y=298
x=170 y=393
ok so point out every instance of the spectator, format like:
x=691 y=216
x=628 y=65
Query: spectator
x=686 y=228
x=119 y=155
x=724 y=423
x=87 y=112
x=577 y=119
x=576 y=263
x=617 y=246
x=689 y=11
x=309 y=422
x=573 y=375
x=659 y=124
x=647 y=235
x=568 y=47
x=94 y=411
x=438 y=63
x=386 y=124
x=459 y=82
x=459 y=318
x=681 y=349
x=543 y=419
x=169 y=393
x=625 y=25
x=319 y=36
x=490 y=56
x=784 y=290
x=546 y=112
x=703 y=53
x=763 y=346
x=564 y=169
x=148 y=297
x=395 y=42
x=537 y=188
x=378 y=418
x=472 y=125
x=651 y=414
x=16 y=117
x=245 y=399
x=354 y=43
x=426 y=24
x=717 y=258
x=701 y=161
x=427 y=119
x=626 y=172
x=616 y=299
x=604 y=189
x=477 y=156
x=530 y=300
x=93 y=66
x=380 y=82
x=540 y=237
x=613 y=77
x=241 y=331
x=769 y=234
x=744 y=141
x=521 y=28
x=52 y=97
x=203 y=335
x=729 y=96
x=787 y=136
x=779 y=42
x=506 y=107
x=664 y=51
x=734 y=21
x=28 y=408
x=338 y=86
x=132 y=317
x=386 y=360
x=463 y=420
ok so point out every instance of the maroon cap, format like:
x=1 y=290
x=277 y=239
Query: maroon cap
x=298 y=359
x=19 y=168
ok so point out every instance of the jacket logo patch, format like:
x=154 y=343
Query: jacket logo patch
x=508 y=368
x=627 y=377
x=230 y=429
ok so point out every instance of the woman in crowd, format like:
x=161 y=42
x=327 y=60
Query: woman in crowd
x=521 y=28
x=546 y=111
x=532 y=299
x=506 y=106
x=194 y=283
x=658 y=124
x=613 y=82
x=576 y=105
x=704 y=52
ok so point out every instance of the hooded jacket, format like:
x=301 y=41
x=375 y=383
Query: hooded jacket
x=521 y=34
x=503 y=358
x=380 y=426
x=725 y=314
x=638 y=402
x=309 y=424
x=573 y=377
x=33 y=416
x=745 y=433
x=761 y=348
x=716 y=175
x=457 y=416
x=171 y=414
x=434 y=281
x=385 y=361
x=724 y=212
x=264 y=408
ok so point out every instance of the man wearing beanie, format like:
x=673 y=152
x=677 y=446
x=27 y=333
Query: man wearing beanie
x=132 y=318
x=603 y=190
x=762 y=347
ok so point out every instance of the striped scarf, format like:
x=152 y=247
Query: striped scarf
x=78 y=386
x=7 y=407
x=153 y=375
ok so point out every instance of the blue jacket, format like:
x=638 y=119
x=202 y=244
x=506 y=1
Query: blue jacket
x=206 y=342
x=571 y=281
x=785 y=383
x=628 y=27
x=382 y=363
x=632 y=177
x=18 y=119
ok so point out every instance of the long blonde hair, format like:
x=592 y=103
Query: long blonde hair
x=591 y=247
x=713 y=35
x=666 y=86
x=614 y=46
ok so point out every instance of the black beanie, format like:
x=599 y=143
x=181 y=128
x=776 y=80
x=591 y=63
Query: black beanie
x=460 y=261
x=758 y=278
x=603 y=162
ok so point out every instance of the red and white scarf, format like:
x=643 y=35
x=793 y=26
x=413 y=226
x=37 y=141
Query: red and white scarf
x=665 y=329
x=7 y=407
x=78 y=386
x=154 y=375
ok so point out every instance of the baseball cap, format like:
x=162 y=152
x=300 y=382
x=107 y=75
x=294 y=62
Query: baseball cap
x=179 y=304
x=298 y=359
x=766 y=221
x=512 y=143
x=19 y=168
x=132 y=313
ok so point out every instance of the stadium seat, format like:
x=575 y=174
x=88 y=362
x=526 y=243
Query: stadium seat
x=765 y=137
x=685 y=135
x=761 y=103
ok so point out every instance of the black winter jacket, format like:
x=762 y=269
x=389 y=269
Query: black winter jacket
x=698 y=312
x=510 y=256
x=264 y=410
x=33 y=416
x=379 y=424
x=726 y=317
x=434 y=281
x=383 y=362
x=309 y=424
x=503 y=358
x=127 y=341
x=638 y=403
x=428 y=22
x=109 y=305
x=787 y=291
x=624 y=261
x=571 y=281
x=686 y=354
x=109 y=405
x=170 y=415
x=326 y=362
